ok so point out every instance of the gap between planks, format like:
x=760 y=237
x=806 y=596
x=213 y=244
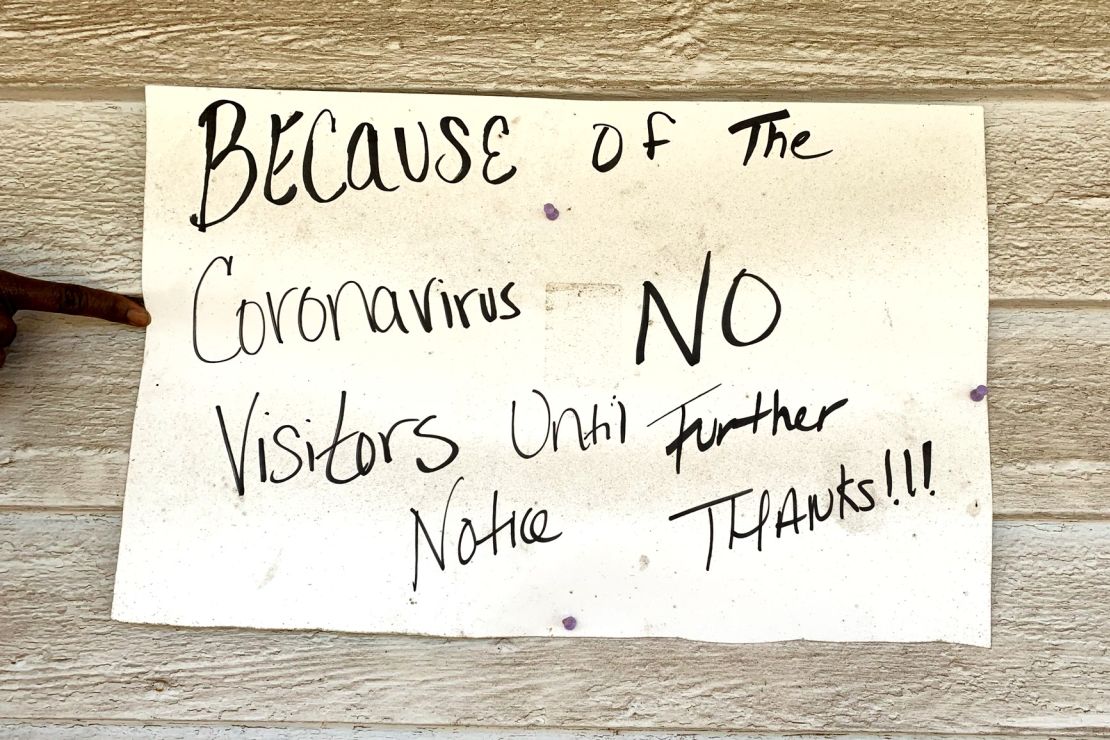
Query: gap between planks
x=1024 y=517
x=958 y=96
x=43 y=729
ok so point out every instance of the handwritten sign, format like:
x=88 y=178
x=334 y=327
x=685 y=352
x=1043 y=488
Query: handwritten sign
x=482 y=366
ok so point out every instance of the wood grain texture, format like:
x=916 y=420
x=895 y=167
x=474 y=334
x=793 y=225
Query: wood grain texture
x=706 y=46
x=61 y=658
x=68 y=397
x=71 y=195
x=145 y=731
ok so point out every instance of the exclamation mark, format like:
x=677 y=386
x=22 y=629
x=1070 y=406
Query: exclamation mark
x=909 y=473
x=889 y=478
x=927 y=464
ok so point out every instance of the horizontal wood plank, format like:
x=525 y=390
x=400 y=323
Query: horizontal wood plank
x=1048 y=201
x=61 y=657
x=67 y=399
x=712 y=48
x=192 y=731
x=71 y=195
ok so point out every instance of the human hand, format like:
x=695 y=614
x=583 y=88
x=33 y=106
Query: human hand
x=18 y=293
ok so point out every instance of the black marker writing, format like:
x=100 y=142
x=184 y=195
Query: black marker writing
x=754 y=125
x=283 y=453
x=380 y=309
x=653 y=143
x=691 y=351
x=717 y=430
x=615 y=156
x=555 y=429
x=359 y=143
x=852 y=495
x=530 y=528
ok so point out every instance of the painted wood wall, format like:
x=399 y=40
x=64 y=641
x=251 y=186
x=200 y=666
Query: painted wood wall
x=71 y=174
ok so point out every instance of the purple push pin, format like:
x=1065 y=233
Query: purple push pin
x=569 y=623
x=552 y=213
x=978 y=393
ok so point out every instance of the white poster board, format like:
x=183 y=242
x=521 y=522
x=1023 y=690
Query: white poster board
x=487 y=366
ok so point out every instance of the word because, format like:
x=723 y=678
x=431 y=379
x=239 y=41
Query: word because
x=362 y=157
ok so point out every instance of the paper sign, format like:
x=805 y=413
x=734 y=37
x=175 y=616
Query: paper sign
x=487 y=366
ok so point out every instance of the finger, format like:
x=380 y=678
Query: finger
x=7 y=330
x=42 y=295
